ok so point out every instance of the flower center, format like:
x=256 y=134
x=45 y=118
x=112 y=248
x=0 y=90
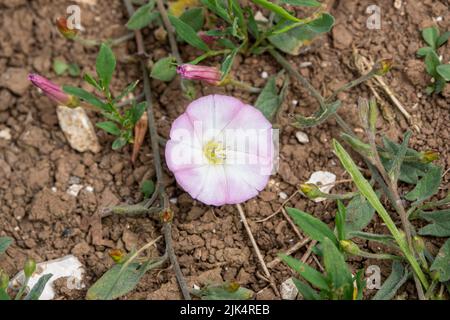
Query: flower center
x=214 y=152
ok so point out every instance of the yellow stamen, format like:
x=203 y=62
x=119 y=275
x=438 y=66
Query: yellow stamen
x=214 y=152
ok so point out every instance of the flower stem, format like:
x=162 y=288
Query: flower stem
x=243 y=85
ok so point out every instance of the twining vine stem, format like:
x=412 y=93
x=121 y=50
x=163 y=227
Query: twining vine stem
x=154 y=137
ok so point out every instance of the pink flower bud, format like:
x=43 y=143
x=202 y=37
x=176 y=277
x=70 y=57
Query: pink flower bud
x=52 y=90
x=207 y=38
x=211 y=75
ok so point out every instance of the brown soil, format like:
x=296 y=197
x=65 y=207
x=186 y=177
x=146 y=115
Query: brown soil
x=37 y=165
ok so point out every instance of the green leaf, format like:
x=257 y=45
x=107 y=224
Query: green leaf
x=217 y=8
x=430 y=35
x=3 y=295
x=228 y=63
x=90 y=79
x=114 y=283
x=194 y=18
x=37 y=289
x=305 y=290
x=142 y=16
x=137 y=111
x=442 y=262
x=126 y=91
x=442 y=39
x=5 y=242
x=337 y=270
x=309 y=274
x=59 y=67
x=109 y=127
x=397 y=161
x=431 y=63
x=422 y=52
x=410 y=171
x=385 y=239
x=290 y=37
x=427 y=186
x=86 y=96
x=440 y=223
x=318 y=117
x=252 y=24
x=444 y=71
x=396 y=279
x=164 y=69
x=147 y=188
x=359 y=214
x=360 y=284
x=188 y=34
x=74 y=70
x=312 y=226
x=269 y=100
x=340 y=220
x=302 y=3
x=119 y=143
x=105 y=65
x=276 y=9
x=224 y=291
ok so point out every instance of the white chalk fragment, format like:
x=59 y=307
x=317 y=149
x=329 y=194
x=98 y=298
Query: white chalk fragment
x=66 y=267
x=324 y=180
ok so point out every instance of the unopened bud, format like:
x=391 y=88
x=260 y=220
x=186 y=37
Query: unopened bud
x=383 y=66
x=4 y=280
x=63 y=28
x=208 y=39
x=429 y=156
x=419 y=244
x=117 y=255
x=311 y=190
x=373 y=115
x=211 y=75
x=29 y=268
x=349 y=247
x=166 y=215
x=232 y=286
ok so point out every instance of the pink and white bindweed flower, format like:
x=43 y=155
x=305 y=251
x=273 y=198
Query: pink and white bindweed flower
x=221 y=150
x=52 y=90
x=211 y=75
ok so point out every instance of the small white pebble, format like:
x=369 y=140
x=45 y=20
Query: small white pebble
x=196 y=287
x=173 y=200
x=74 y=189
x=54 y=189
x=302 y=137
x=438 y=19
x=89 y=189
x=260 y=17
x=5 y=134
x=419 y=94
x=294 y=102
x=397 y=4
x=358 y=130
x=264 y=75
x=305 y=64
x=16 y=228
x=283 y=195
x=214 y=230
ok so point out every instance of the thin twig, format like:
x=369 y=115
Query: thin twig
x=289 y=251
x=154 y=137
x=256 y=248
x=279 y=209
x=170 y=31
x=294 y=227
